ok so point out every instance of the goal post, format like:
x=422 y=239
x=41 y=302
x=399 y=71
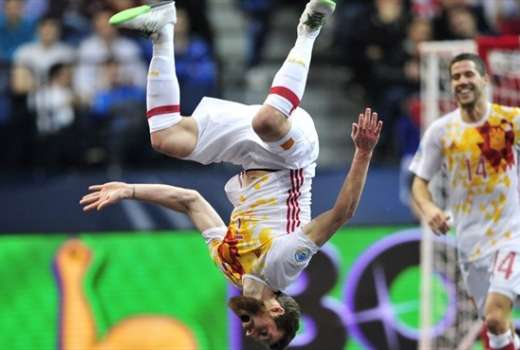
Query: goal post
x=438 y=255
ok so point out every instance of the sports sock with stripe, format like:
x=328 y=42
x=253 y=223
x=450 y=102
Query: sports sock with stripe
x=162 y=90
x=289 y=82
x=502 y=341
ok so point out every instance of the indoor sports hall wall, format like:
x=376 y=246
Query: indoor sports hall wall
x=51 y=204
x=149 y=288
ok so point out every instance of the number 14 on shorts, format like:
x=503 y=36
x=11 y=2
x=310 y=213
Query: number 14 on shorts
x=505 y=264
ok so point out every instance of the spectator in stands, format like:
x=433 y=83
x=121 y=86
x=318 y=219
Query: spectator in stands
x=462 y=24
x=406 y=133
x=375 y=31
x=195 y=65
x=58 y=138
x=375 y=53
x=104 y=43
x=22 y=124
x=460 y=19
x=38 y=56
x=30 y=83
x=200 y=25
x=504 y=15
x=117 y=123
x=6 y=120
x=258 y=14
x=34 y=9
x=14 y=28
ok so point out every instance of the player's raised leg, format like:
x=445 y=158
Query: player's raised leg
x=170 y=133
x=271 y=122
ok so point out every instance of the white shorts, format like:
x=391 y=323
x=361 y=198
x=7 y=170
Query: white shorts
x=225 y=134
x=499 y=273
x=288 y=256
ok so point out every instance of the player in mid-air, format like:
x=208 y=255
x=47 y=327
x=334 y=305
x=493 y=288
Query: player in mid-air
x=270 y=237
x=476 y=144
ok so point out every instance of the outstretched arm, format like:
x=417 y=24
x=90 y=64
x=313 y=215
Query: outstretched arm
x=183 y=200
x=365 y=134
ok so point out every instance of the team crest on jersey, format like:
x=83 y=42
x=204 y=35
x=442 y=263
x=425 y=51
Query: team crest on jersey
x=302 y=254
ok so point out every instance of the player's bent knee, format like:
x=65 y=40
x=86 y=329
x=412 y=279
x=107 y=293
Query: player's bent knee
x=156 y=141
x=270 y=123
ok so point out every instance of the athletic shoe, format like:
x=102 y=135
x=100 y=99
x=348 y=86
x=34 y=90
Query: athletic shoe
x=314 y=15
x=146 y=18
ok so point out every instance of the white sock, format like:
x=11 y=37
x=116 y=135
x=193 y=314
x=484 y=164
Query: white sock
x=501 y=340
x=289 y=83
x=162 y=91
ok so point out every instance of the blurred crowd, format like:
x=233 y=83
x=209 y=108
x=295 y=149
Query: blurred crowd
x=382 y=38
x=73 y=87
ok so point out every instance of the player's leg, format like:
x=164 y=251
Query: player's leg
x=498 y=321
x=271 y=122
x=504 y=284
x=476 y=277
x=170 y=133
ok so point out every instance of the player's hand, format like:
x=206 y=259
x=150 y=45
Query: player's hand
x=365 y=133
x=105 y=195
x=437 y=219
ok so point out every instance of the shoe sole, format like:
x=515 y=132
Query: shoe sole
x=329 y=3
x=131 y=13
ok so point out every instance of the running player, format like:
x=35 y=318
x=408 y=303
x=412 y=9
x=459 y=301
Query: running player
x=476 y=144
x=270 y=237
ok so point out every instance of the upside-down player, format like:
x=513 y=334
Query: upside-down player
x=270 y=237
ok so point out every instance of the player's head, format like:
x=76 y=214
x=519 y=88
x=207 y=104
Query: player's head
x=273 y=322
x=468 y=78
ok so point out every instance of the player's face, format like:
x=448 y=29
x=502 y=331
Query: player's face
x=256 y=320
x=467 y=84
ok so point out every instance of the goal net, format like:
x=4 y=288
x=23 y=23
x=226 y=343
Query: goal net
x=448 y=319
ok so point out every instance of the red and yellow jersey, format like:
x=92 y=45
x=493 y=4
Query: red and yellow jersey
x=274 y=205
x=480 y=161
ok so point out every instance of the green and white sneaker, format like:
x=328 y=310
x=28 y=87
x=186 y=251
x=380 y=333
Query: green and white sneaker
x=314 y=15
x=146 y=18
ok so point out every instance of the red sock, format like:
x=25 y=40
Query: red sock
x=484 y=337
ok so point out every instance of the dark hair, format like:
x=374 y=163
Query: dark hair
x=56 y=69
x=479 y=63
x=48 y=17
x=289 y=322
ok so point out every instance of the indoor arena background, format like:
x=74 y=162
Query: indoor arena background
x=147 y=265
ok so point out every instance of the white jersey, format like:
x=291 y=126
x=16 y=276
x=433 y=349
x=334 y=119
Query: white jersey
x=482 y=177
x=264 y=236
x=278 y=202
x=273 y=206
